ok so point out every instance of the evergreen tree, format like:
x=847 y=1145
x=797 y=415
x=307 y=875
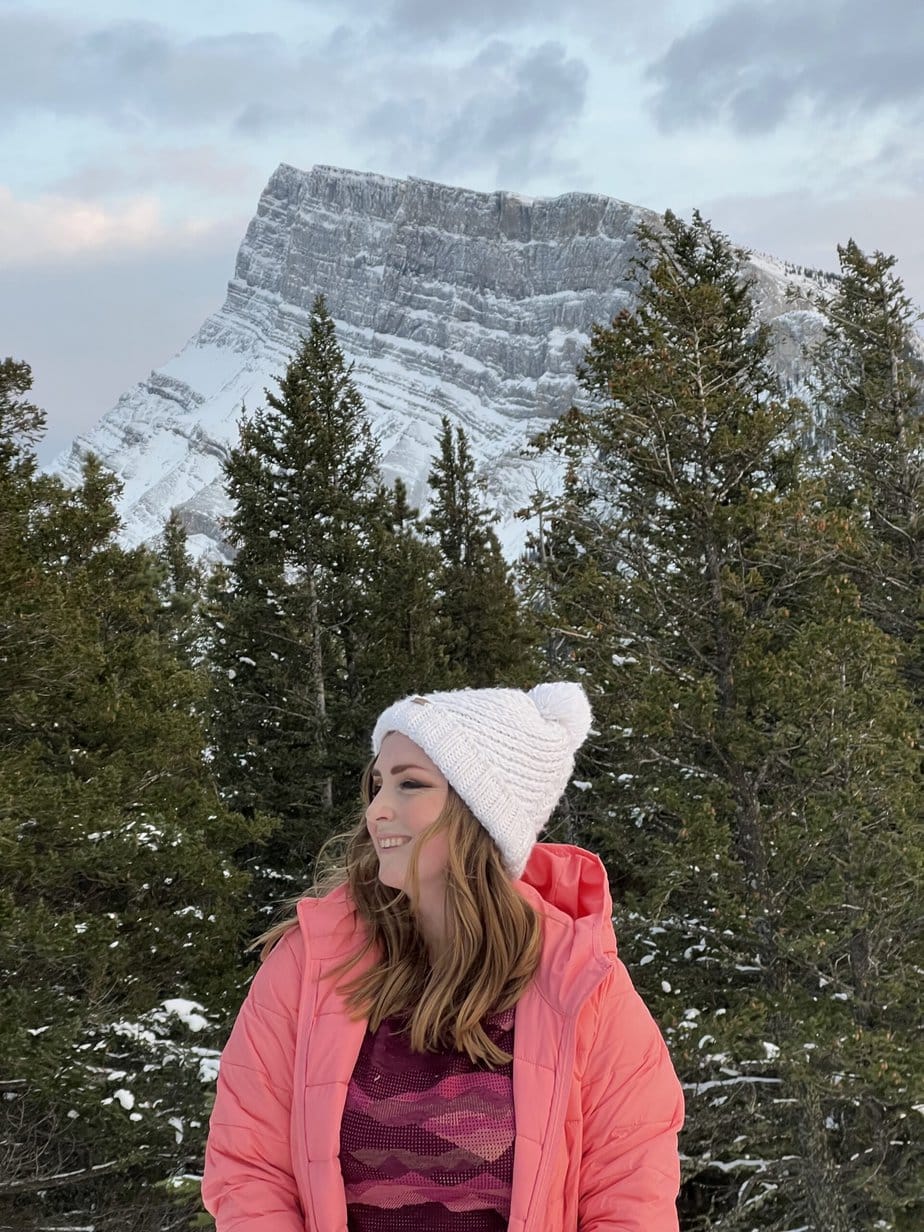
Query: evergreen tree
x=286 y=615
x=491 y=641
x=398 y=645
x=181 y=591
x=22 y=423
x=409 y=570
x=119 y=921
x=870 y=378
x=184 y=575
x=751 y=782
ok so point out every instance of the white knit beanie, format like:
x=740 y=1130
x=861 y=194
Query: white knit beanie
x=507 y=753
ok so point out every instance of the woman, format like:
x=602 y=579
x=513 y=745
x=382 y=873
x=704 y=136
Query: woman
x=447 y=1041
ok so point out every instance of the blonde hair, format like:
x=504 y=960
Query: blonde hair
x=493 y=936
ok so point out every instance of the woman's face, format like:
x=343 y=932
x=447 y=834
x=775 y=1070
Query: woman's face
x=408 y=795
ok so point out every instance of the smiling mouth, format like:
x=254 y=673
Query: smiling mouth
x=386 y=844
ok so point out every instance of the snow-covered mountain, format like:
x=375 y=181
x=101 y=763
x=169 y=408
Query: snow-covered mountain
x=474 y=305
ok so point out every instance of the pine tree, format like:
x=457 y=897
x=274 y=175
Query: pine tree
x=119 y=904
x=751 y=778
x=22 y=423
x=490 y=638
x=286 y=614
x=182 y=590
x=406 y=584
x=398 y=641
x=870 y=376
x=184 y=575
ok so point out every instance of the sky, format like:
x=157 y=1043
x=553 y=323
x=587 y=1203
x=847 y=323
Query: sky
x=135 y=139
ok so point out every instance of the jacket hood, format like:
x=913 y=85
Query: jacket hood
x=572 y=880
x=569 y=886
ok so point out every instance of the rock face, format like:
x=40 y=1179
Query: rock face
x=474 y=305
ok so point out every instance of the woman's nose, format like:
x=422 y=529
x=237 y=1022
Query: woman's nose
x=379 y=807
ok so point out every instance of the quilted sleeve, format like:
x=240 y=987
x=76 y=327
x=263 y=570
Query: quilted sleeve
x=248 y=1182
x=633 y=1110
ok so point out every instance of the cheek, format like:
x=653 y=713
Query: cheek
x=434 y=856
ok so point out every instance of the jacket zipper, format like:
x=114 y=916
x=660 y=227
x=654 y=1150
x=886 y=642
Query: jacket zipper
x=557 y=1120
x=555 y=1126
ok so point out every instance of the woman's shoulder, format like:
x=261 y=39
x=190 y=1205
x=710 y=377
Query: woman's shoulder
x=322 y=927
x=333 y=899
x=329 y=924
x=314 y=916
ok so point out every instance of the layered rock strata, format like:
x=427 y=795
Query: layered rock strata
x=473 y=305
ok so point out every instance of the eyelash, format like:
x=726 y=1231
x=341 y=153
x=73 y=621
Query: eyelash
x=404 y=783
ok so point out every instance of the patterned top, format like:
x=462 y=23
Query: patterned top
x=426 y=1140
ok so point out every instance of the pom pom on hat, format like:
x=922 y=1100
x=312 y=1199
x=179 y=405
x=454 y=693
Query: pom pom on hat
x=507 y=753
x=567 y=704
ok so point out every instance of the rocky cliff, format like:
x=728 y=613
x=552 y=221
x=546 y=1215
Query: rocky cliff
x=475 y=305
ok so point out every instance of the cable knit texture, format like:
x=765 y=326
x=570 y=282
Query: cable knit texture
x=507 y=753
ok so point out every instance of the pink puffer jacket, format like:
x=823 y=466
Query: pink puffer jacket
x=597 y=1103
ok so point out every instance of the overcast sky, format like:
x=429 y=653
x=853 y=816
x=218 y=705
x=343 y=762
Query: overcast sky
x=135 y=139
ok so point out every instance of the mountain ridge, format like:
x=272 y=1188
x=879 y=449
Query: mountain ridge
x=447 y=300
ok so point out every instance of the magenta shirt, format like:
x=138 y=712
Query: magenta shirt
x=426 y=1140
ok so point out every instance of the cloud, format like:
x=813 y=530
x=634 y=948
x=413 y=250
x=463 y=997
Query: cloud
x=752 y=64
x=503 y=109
x=406 y=23
x=470 y=107
x=137 y=75
x=46 y=228
x=424 y=18
x=262 y=119
x=202 y=168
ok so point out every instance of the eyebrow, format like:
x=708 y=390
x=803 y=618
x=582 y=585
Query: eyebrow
x=401 y=770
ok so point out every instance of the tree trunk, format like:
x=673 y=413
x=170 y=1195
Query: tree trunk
x=317 y=680
x=826 y=1207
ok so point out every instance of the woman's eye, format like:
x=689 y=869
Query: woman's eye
x=411 y=783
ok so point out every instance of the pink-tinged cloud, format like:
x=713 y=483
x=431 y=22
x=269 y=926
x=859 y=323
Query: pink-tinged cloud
x=51 y=226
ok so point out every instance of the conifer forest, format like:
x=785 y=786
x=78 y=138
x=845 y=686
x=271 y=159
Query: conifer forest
x=735 y=575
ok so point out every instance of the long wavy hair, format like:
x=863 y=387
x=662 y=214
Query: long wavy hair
x=493 y=936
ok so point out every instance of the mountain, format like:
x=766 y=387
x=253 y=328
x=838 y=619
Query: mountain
x=474 y=305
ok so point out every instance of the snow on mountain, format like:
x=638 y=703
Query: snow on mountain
x=474 y=305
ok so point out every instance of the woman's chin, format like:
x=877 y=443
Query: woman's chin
x=388 y=878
